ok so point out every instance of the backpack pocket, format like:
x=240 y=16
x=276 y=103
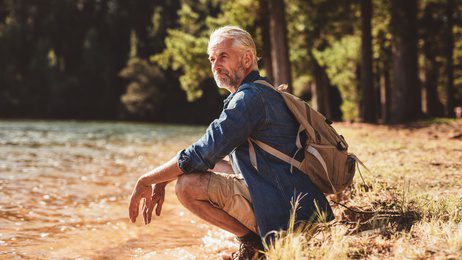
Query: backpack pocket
x=327 y=167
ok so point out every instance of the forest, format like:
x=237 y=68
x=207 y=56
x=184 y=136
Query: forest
x=367 y=60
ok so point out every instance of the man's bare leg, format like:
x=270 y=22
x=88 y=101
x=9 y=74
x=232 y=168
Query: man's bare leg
x=191 y=190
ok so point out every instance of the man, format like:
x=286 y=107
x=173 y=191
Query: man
x=260 y=202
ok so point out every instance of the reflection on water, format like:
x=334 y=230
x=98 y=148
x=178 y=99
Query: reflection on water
x=64 y=190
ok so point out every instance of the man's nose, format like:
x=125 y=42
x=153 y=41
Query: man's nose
x=215 y=66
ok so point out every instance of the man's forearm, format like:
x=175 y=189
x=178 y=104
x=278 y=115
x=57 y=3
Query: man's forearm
x=165 y=173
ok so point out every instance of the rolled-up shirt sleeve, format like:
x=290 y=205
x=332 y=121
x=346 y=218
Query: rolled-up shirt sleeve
x=244 y=113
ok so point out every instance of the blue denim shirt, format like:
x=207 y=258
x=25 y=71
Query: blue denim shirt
x=259 y=112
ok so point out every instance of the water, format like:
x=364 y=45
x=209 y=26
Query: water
x=64 y=190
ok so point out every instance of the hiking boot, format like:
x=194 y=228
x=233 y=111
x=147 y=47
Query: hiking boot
x=247 y=250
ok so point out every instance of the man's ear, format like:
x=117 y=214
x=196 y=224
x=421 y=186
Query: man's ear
x=247 y=59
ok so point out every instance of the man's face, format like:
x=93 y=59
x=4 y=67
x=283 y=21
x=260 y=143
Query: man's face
x=226 y=64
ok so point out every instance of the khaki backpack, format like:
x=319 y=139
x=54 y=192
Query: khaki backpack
x=327 y=161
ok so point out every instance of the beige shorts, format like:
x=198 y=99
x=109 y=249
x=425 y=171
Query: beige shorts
x=231 y=194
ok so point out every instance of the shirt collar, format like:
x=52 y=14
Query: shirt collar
x=251 y=77
x=226 y=101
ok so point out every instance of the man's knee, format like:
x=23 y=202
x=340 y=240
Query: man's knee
x=181 y=184
x=192 y=186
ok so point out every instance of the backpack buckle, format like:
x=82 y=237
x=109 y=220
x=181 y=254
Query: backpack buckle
x=341 y=146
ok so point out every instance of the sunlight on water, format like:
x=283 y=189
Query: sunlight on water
x=64 y=189
x=218 y=240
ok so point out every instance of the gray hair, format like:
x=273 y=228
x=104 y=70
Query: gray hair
x=241 y=39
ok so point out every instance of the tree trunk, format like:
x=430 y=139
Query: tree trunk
x=433 y=105
x=449 y=59
x=264 y=25
x=377 y=91
x=320 y=89
x=367 y=85
x=279 y=46
x=385 y=86
x=405 y=92
x=384 y=81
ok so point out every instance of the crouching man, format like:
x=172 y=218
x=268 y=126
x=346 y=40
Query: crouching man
x=234 y=195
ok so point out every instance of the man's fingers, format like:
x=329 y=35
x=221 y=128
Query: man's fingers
x=159 y=206
x=133 y=213
x=133 y=209
x=150 y=208
x=143 y=207
x=148 y=204
x=154 y=201
x=147 y=209
x=145 y=217
x=150 y=213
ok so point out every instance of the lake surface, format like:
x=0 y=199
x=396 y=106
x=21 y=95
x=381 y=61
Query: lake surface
x=65 y=185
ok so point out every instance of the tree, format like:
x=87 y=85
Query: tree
x=62 y=58
x=383 y=75
x=317 y=29
x=449 y=58
x=279 y=46
x=145 y=95
x=186 y=45
x=367 y=85
x=405 y=91
x=320 y=89
x=265 y=38
x=431 y=48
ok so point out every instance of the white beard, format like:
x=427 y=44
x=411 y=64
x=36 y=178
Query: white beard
x=229 y=81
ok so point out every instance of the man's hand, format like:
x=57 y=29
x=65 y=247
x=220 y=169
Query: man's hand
x=160 y=176
x=141 y=192
x=150 y=199
x=157 y=198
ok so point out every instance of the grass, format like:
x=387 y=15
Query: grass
x=411 y=207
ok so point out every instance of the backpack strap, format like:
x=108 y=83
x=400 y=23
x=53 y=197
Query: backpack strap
x=298 y=144
x=318 y=156
x=264 y=82
x=284 y=157
x=290 y=160
x=358 y=161
x=301 y=116
x=252 y=155
x=276 y=153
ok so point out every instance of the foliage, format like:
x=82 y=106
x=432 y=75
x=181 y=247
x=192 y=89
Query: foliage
x=186 y=52
x=145 y=94
x=63 y=58
x=324 y=31
x=341 y=59
x=186 y=46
